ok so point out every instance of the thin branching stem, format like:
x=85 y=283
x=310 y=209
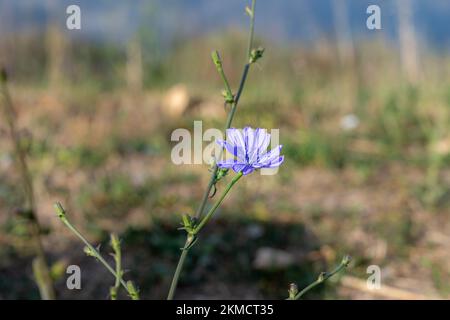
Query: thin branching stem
x=252 y=29
x=191 y=237
x=40 y=265
x=324 y=276
x=92 y=251
x=231 y=114
x=115 y=244
x=219 y=201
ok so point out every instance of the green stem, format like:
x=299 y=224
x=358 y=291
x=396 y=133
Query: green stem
x=219 y=66
x=234 y=106
x=176 y=276
x=191 y=236
x=230 y=117
x=115 y=243
x=324 y=276
x=216 y=205
x=118 y=271
x=41 y=269
x=212 y=180
x=62 y=215
x=252 y=28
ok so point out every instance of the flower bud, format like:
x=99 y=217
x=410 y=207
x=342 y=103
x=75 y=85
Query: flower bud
x=132 y=291
x=256 y=54
x=113 y=293
x=216 y=58
x=293 y=290
x=346 y=260
x=249 y=11
x=322 y=276
x=115 y=242
x=59 y=210
x=227 y=96
x=222 y=172
x=89 y=252
x=188 y=223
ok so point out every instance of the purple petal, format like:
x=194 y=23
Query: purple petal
x=234 y=150
x=268 y=158
x=260 y=144
x=227 y=164
x=249 y=138
x=275 y=163
x=244 y=168
x=247 y=170
x=239 y=167
x=263 y=141
x=236 y=138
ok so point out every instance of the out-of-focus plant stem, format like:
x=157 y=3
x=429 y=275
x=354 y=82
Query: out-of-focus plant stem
x=41 y=269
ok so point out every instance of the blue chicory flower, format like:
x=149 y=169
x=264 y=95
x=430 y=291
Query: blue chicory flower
x=249 y=146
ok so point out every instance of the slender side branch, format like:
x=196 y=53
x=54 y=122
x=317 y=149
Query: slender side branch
x=227 y=94
x=251 y=13
x=216 y=205
x=91 y=251
x=293 y=295
x=41 y=269
x=115 y=244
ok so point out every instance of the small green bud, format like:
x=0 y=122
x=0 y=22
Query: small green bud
x=293 y=290
x=346 y=260
x=186 y=220
x=322 y=276
x=249 y=11
x=113 y=293
x=216 y=58
x=256 y=54
x=188 y=223
x=132 y=291
x=115 y=242
x=59 y=210
x=228 y=96
x=89 y=252
x=221 y=173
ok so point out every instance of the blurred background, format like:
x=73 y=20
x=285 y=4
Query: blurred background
x=363 y=117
